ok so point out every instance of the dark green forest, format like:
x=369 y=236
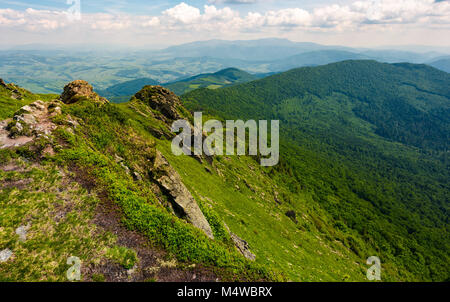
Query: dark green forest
x=370 y=142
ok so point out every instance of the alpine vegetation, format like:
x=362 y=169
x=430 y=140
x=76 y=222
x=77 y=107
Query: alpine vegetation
x=236 y=134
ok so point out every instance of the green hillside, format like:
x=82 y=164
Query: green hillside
x=222 y=78
x=84 y=164
x=363 y=172
x=370 y=142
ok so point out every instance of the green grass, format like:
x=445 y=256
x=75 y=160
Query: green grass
x=106 y=133
x=123 y=256
x=59 y=224
x=10 y=105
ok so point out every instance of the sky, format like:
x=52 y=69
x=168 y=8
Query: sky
x=160 y=23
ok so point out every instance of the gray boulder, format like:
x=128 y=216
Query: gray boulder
x=184 y=203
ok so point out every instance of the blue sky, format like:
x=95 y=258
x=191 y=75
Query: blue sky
x=168 y=22
x=157 y=6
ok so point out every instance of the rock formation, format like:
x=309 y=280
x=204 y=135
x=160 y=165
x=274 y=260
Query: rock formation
x=241 y=245
x=162 y=100
x=183 y=202
x=78 y=89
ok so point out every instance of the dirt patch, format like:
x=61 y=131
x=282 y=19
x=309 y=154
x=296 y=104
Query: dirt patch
x=12 y=167
x=20 y=184
x=150 y=267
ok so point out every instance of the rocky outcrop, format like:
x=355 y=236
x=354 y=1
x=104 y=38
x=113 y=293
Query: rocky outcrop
x=243 y=247
x=184 y=203
x=76 y=90
x=2 y=83
x=162 y=100
x=29 y=122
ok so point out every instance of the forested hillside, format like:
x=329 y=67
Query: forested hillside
x=222 y=78
x=370 y=142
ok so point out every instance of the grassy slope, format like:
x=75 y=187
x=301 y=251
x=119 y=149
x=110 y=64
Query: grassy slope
x=9 y=106
x=92 y=151
x=307 y=250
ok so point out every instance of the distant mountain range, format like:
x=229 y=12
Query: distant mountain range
x=46 y=70
x=442 y=64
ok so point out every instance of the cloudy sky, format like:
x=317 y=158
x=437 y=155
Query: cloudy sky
x=166 y=22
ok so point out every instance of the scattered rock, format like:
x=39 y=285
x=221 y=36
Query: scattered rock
x=184 y=204
x=118 y=159
x=292 y=215
x=167 y=264
x=79 y=89
x=2 y=83
x=48 y=151
x=242 y=246
x=22 y=232
x=29 y=122
x=5 y=255
x=125 y=167
x=137 y=176
x=276 y=197
x=16 y=96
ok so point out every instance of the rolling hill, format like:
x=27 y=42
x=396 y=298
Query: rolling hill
x=363 y=172
x=78 y=162
x=222 y=78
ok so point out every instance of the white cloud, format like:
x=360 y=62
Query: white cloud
x=183 y=13
x=150 y=22
x=361 y=15
x=232 y=1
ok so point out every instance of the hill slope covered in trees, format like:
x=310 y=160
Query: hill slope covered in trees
x=370 y=142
